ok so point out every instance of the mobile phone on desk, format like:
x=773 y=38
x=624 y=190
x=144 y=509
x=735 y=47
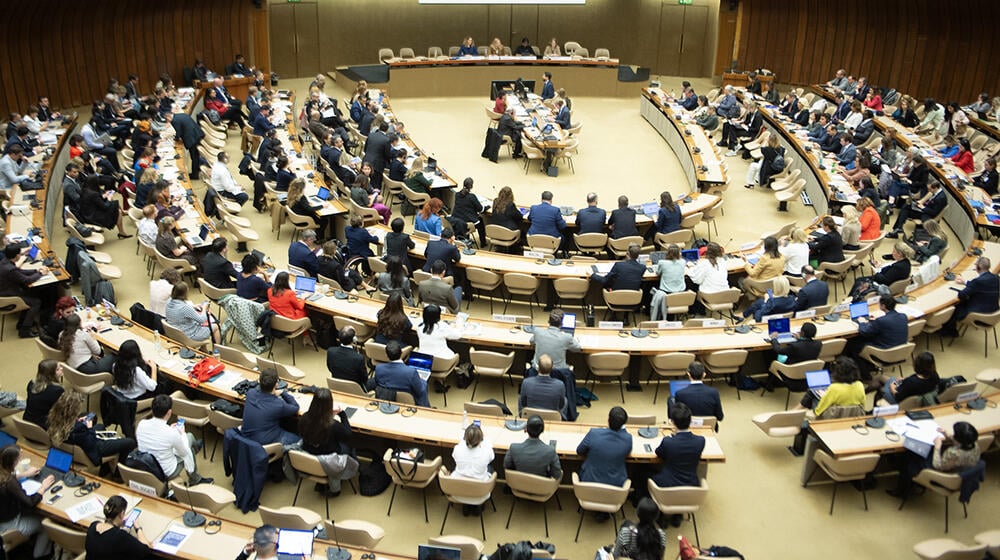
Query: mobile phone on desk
x=132 y=516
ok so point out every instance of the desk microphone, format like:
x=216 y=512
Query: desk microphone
x=336 y=553
x=192 y=518
x=723 y=246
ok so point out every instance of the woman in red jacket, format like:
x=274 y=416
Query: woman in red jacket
x=226 y=112
x=283 y=300
x=871 y=223
x=963 y=159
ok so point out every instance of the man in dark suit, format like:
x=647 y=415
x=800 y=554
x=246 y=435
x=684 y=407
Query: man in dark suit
x=803 y=349
x=591 y=219
x=14 y=282
x=331 y=151
x=398 y=376
x=702 y=399
x=443 y=250
x=377 y=148
x=891 y=329
x=690 y=100
x=533 y=456
x=264 y=411
x=624 y=275
x=980 y=295
x=680 y=453
x=508 y=126
x=367 y=118
x=848 y=151
x=190 y=134
x=262 y=123
x=548 y=90
x=605 y=450
x=814 y=294
x=542 y=390
x=843 y=107
x=240 y=66
x=987 y=180
x=344 y=362
x=622 y=222
x=217 y=270
x=732 y=134
x=545 y=218
x=931 y=207
x=562 y=115
x=830 y=142
x=302 y=253
x=865 y=128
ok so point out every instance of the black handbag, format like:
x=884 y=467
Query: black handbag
x=412 y=456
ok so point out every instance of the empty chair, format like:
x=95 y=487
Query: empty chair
x=482 y=409
x=570 y=47
x=950 y=549
x=290 y=517
x=720 y=302
x=985 y=322
x=290 y=329
x=680 y=500
x=238 y=357
x=354 y=532
x=883 y=358
x=626 y=301
x=435 y=52
x=602 y=54
x=521 y=284
x=491 y=364
x=608 y=365
x=844 y=469
x=725 y=362
x=8 y=306
x=385 y=54
x=346 y=386
x=934 y=323
x=783 y=424
x=406 y=52
x=602 y=498
x=669 y=364
x=533 y=488
x=471 y=548
x=547 y=415
x=483 y=281
x=407 y=473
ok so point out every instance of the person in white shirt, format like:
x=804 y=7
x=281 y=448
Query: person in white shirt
x=434 y=334
x=224 y=183
x=710 y=272
x=134 y=377
x=32 y=121
x=795 y=249
x=159 y=291
x=473 y=456
x=147 y=225
x=173 y=448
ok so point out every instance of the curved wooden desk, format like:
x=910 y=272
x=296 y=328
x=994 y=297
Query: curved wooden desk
x=159 y=515
x=702 y=165
x=440 y=428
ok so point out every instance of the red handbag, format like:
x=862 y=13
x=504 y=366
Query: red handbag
x=686 y=551
x=204 y=370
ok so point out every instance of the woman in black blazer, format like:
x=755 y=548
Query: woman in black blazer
x=285 y=177
x=830 y=246
x=506 y=214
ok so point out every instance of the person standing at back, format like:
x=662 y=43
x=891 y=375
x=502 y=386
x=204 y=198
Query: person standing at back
x=548 y=90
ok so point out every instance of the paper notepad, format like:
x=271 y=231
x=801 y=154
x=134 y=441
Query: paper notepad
x=85 y=509
x=172 y=540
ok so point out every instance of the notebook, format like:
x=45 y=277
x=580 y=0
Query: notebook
x=781 y=326
x=57 y=464
x=690 y=255
x=676 y=386
x=422 y=363
x=858 y=310
x=294 y=544
x=304 y=286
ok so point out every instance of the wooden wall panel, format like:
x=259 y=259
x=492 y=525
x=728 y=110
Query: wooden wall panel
x=922 y=47
x=69 y=50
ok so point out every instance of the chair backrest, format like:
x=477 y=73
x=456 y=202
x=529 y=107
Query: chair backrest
x=68 y=539
x=290 y=517
x=542 y=242
x=725 y=358
x=547 y=415
x=608 y=362
x=356 y=533
x=483 y=409
x=832 y=347
x=590 y=241
x=620 y=246
x=691 y=220
x=571 y=288
x=782 y=423
x=362 y=331
x=482 y=278
x=642 y=419
x=680 y=237
x=530 y=486
x=130 y=475
x=500 y=235
x=306 y=463
x=406 y=52
x=490 y=363
x=672 y=363
x=798 y=371
x=462 y=487
x=48 y=352
x=178 y=336
x=385 y=54
x=952 y=392
x=223 y=421
x=470 y=547
x=345 y=386
x=434 y=52
x=622 y=298
x=282 y=370
x=232 y=355
x=518 y=283
x=570 y=47
x=33 y=433
x=602 y=53
x=426 y=470
x=188 y=410
x=679 y=499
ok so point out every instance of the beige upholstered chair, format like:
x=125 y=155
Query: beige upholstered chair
x=290 y=517
x=466 y=491
x=845 y=469
x=783 y=424
x=602 y=498
x=680 y=500
x=610 y=365
x=793 y=372
x=669 y=364
x=491 y=364
x=354 y=532
x=533 y=488
x=400 y=471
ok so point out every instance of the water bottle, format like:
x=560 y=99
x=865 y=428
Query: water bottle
x=156 y=342
x=465 y=419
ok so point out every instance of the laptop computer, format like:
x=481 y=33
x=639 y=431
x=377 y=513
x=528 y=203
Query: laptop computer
x=858 y=310
x=690 y=255
x=783 y=327
x=657 y=256
x=817 y=381
x=304 y=286
x=432 y=165
x=676 y=386
x=320 y=197
x=428 y=552
x=33 y=253
x=650 y=208
x=201 y=237
x=294 y=544
x=57 y=464
x=422 y=363
x=569 y=323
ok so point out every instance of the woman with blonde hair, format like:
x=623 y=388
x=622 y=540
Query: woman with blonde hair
x=43 y=392
x=415 y=178
x=552 y=49
x=776 y=302
x=166 y=243
x=70 y=423
x=850 y=232
x=934 y=245
x=795 y=249
x=496 y=47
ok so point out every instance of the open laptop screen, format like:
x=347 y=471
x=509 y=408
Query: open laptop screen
x=295 y=542
x=305 y=284
x=422 y=362
x=676 y=386
x=819 y=379
x=780 y=326
x=58 y=460
x=690 y=254
x=323 y=193
x=859 y=309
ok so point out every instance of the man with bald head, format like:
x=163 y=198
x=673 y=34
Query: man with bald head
x=542 y=390
x=980 y=295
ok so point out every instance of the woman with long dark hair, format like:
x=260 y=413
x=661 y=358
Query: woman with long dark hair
x=435 y=334
x=283 y=299
x=80 y=351
x=135 y=378
x=392 y=322
x=668 y=218
x=397 y=243
x=17 y=509
x=322 y=434
x=394 y=280
x=643 y=540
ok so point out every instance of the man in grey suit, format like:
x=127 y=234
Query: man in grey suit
x=532 y=456
x=435 y=290
x=542 y=391
x=554 y=342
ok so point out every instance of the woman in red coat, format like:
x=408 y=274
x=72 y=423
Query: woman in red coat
x=963 y=159
x=283 y=300
x=226 y=112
